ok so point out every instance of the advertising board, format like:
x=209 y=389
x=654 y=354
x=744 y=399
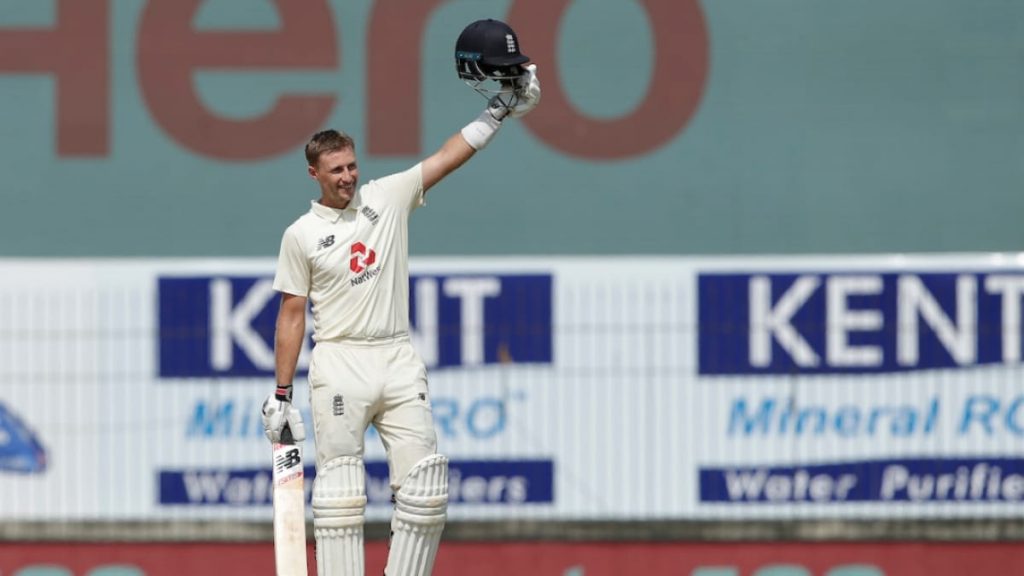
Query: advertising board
x=181 y=124
x=859 y=382
x=562 y=388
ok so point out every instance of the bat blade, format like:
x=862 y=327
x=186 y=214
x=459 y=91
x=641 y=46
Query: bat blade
x=289 y=509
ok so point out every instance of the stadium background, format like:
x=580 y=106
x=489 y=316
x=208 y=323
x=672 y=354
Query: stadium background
x=580 y=283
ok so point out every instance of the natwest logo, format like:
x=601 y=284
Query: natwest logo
x=362 y=258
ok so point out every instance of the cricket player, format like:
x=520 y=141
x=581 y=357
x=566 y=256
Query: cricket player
x=348 y=257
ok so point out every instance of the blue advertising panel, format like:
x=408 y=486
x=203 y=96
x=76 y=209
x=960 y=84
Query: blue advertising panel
x=499 y=482
x=857 y=322
x=223 y=326
x=897 y=480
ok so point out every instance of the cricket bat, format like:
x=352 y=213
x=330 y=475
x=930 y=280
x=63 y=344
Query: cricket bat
x=289 y=507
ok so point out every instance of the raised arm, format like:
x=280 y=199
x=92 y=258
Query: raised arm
x=453 y=154
x=461 y=146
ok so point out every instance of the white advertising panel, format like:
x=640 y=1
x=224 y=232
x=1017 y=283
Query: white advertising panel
x=886 y=387
x=563 y=388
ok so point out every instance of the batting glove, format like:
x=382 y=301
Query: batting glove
x=279 y=412
x=482 y=129
x=528 y=93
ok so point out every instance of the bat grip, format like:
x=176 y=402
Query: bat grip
x=286 y=435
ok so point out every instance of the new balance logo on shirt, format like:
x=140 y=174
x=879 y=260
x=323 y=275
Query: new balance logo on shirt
x=325 y=242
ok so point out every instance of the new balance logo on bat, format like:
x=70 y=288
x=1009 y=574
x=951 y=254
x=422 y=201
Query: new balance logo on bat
x=289 y=459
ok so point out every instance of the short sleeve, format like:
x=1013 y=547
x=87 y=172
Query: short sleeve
x=403 y=189
x=293 y=273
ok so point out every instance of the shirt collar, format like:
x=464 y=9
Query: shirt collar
x=334 y=214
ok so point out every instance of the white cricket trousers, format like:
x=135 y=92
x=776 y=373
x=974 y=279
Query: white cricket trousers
x=354 y=383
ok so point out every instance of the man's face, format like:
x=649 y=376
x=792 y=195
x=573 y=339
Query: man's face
x=338 y=176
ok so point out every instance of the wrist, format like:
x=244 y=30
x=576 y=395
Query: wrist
x=283 y=392
x=479 y=132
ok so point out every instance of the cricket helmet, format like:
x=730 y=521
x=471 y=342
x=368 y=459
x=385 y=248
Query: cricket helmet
x=487 y=57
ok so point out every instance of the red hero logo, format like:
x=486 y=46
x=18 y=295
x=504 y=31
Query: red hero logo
x=362 y=258
x=170 y=51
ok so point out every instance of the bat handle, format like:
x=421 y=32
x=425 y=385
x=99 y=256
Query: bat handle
x=286 y=435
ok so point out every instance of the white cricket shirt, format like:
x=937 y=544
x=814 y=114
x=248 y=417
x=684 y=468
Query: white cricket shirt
x=353 y=264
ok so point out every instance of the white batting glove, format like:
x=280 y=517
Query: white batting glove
x=482 y=129
x=279 y=412
x=528 y=91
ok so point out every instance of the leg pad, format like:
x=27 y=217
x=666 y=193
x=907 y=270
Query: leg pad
x=339 y=512
x=421 y=508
